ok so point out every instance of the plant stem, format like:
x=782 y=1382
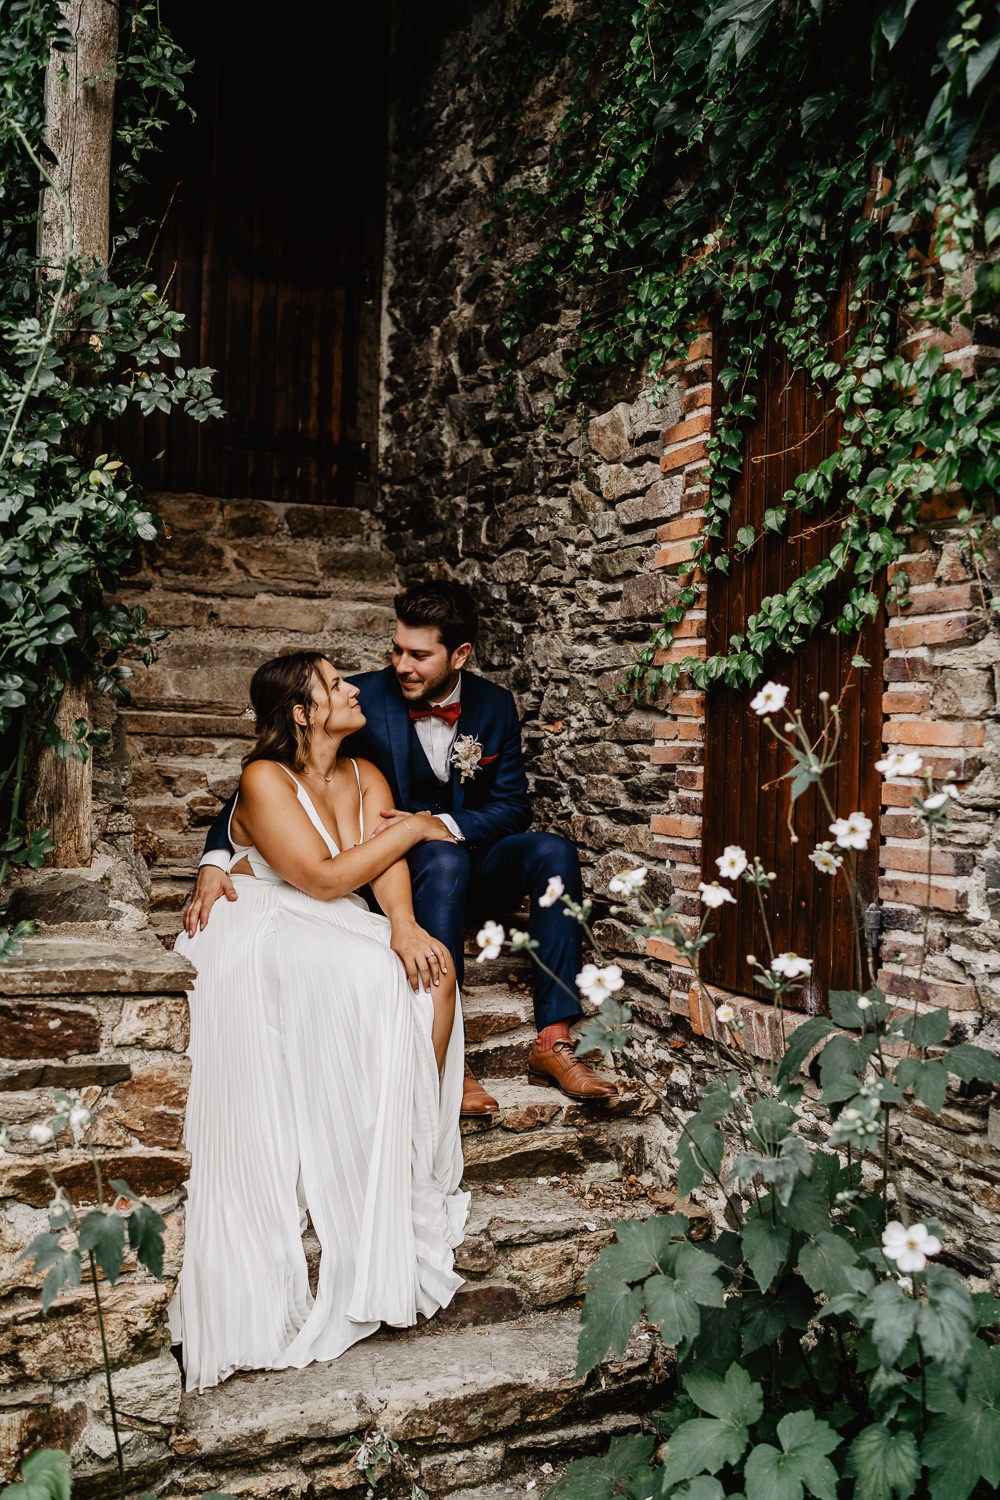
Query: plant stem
x=107 y=1378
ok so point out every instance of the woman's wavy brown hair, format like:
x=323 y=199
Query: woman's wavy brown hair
x=276 y=688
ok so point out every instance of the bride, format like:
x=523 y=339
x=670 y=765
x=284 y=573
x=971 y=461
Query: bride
x=324 y=1080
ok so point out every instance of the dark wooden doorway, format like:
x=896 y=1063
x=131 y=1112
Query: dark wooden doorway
x=271 y=204
x=746 y=801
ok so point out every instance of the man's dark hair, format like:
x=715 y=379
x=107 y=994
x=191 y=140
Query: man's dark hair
x=445 y=604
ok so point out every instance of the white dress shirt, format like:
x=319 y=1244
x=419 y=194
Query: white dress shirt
x=437 y=739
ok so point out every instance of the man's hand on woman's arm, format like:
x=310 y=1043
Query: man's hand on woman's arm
x=212 y=883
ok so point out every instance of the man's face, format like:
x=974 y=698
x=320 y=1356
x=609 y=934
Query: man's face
x=425 y=669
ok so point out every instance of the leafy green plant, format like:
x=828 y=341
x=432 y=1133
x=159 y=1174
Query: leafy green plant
x=78 y=349
x=822 y=1347
x=747 y=165
x=378 y=1456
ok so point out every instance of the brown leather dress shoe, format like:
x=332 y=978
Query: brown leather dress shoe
x=476 y=1102
x=561 y=1067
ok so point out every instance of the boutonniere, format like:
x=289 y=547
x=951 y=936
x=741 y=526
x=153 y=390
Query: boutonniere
x=466 y=755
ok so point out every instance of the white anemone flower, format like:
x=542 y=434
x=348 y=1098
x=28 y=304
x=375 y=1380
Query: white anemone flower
x=40 y=1134
x=899 y=763
x=852 y=832
x=826 y=862
x=79 y=1118
x=937 y=800
x=909 y=1248
x=770 y=699
x=725 y=1014
x=598 y=984
x=715 y=895
x=628 y=882
x=552 y=892
x=732 y=862
x=490 y=940
x=863 y=1002
x=791 y=965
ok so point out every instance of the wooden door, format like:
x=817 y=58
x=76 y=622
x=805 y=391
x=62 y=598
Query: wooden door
x=268 y=209
x=746 y=802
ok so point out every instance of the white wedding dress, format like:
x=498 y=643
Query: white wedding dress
x=314 y=1088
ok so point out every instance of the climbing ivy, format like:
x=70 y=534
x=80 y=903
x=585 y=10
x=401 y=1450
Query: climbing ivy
x=742 y=163
x=78 y=348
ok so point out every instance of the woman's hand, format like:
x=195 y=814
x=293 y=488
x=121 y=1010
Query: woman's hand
x=431 y=828
x=424 y=958
x=213 y=882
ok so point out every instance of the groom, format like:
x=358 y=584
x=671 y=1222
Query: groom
x=449 y=742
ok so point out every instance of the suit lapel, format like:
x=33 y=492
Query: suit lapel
x=468 y=723
x=397 y=729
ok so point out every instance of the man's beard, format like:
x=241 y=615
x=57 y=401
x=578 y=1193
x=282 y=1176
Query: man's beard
x=429 y=692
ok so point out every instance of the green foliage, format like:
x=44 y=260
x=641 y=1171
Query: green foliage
x=44 y=1476
x=750 y=163
x=80 y=345
x=823 y=1293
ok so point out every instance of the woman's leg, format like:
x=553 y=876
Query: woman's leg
x=443 y=996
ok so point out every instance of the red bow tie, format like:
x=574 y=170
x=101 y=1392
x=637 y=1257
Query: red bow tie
x=449 y=712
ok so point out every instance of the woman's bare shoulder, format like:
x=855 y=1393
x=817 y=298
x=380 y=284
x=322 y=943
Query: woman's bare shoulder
x=369 y=772
x=265 y=775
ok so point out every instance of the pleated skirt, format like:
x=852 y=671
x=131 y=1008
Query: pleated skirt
x=314 y=1089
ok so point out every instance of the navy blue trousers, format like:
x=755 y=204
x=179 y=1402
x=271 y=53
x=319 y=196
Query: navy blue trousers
x=453 y=886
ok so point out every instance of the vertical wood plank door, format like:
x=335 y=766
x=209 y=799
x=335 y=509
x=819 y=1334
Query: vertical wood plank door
x=266 y=215
x=747 y=800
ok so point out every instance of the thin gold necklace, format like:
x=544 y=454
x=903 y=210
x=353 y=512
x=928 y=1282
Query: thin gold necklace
x=310 y=772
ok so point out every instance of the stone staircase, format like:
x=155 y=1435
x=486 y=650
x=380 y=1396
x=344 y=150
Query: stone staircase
x=483 y=1399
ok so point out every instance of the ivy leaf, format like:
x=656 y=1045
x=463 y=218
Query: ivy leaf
x=103 y=1234
x=979 y=63
x=602 y=1478
x=884 y=1464
x=801 y=1464
x=611 y=1310
x=44 y=1476
x=765 y=1246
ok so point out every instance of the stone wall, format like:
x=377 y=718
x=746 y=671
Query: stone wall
x=107 y=1021
x=572 y=527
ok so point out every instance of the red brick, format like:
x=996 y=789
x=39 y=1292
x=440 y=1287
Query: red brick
x=916 y=893
x=689 y=428
x=918 y=568
x=680 y=457
x=933 y=732
x=691 y=778
x=671 y=826
x=674 y=755
x=690 y=704
x=908 y=669
x=701 y=348
x=913 y=860
x=678 y=729
x=928 y=992
x=937 y=600
x=680 y=653
x=907 y=700
x=904 y=634
x=658 y=948
x=677 y=552
x=898 y=794
x=695 y=397
x=901 y=825
x=683 y=526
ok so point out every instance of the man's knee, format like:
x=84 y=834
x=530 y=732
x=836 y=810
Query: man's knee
x=551 y=854
x=444 y=866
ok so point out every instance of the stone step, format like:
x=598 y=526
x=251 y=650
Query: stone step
x=469 y=1407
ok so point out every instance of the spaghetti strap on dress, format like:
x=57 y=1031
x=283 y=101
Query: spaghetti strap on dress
x=313 y=1081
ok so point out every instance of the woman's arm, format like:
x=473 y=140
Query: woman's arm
x=423 y=957
x=277 y=823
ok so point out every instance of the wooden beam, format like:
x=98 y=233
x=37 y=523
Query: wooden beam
x=79 y=114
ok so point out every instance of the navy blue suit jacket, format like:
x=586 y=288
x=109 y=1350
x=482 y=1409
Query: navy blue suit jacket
x=488 y=806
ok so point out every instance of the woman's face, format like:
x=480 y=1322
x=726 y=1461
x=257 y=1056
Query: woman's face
x=334 y=708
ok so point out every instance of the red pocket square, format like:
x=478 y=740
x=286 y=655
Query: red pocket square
x=487 y=760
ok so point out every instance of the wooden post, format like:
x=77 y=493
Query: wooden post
x=79 y=107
